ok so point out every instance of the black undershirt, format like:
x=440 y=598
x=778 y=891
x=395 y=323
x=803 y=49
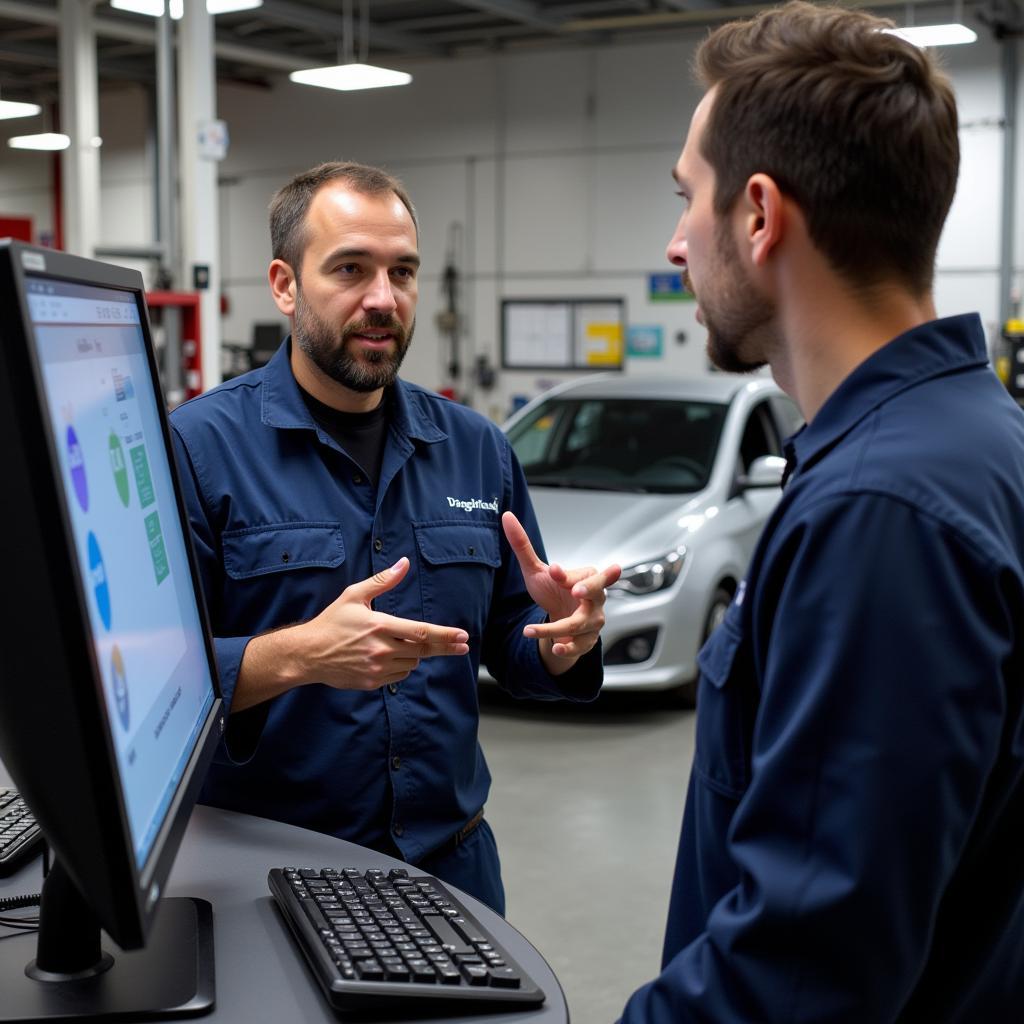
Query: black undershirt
x=360 y=434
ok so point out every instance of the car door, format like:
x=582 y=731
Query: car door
x=748 y=510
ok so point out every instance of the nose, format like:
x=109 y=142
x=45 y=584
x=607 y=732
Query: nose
x=380 y=295
x=676 y=250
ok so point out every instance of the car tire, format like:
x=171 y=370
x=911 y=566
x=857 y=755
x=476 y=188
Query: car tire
x=720 y=601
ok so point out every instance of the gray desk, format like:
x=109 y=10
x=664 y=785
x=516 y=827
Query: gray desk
x=261 y=975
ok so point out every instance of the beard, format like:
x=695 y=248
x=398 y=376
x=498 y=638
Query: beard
x=333 y=353
x=738 y=319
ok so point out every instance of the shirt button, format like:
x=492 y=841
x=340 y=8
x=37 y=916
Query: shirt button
x=357 y=479
x=396 y=763
x=378 y=544
x=397 y=829
x=392 y=687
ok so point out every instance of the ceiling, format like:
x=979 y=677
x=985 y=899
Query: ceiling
x=282 y=35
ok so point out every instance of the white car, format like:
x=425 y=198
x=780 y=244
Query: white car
x=671 y=479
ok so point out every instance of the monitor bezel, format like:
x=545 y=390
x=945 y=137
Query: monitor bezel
x=127 y=921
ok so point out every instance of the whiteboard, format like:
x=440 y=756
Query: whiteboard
x=564 y=334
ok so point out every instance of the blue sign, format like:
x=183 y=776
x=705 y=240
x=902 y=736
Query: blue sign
x=667 y=287
x=644 y=341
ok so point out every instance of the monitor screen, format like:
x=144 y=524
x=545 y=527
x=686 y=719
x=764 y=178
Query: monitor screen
x=110 y=709
x=119 y=494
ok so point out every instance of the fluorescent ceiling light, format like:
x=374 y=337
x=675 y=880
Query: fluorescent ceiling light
x=227 y=6
x=935 y=35
x=155 y=8
x=44 y=140
x=11 y=108
x=350 y=76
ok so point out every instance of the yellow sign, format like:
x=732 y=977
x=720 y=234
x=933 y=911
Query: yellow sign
x=604 y=344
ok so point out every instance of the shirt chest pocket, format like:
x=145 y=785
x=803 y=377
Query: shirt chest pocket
x=260 y=550
x=457 y=562
x=725 y=711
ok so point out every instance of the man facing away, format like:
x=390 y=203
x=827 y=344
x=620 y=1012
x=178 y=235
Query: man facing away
x=850 y=848
x=363 y=544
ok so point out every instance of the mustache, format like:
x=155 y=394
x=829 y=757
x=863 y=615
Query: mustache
x=377 y=322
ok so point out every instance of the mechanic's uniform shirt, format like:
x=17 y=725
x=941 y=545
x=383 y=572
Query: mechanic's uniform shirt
x=283 y=521
x=850 y=848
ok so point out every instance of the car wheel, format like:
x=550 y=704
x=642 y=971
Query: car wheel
x=720 y=602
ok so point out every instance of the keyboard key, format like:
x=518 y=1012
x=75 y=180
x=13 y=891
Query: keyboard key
x=504 y=977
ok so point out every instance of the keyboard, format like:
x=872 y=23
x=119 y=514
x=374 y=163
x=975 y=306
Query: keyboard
x=386 y=940
x=20 y=836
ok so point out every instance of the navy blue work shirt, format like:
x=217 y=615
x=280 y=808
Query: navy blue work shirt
x=282 y=522
x=850 y=848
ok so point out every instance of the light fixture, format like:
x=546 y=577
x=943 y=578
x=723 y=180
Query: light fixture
x=12 y=108
x=229 y=6
x=949 y=34
x=935 y=35
x=42 y=140
x=349 y=74
x=153 y=8
x=176 y=8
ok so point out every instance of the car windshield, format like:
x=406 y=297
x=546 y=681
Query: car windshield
x=661 y=446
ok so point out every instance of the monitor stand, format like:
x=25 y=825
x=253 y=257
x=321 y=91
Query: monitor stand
x=72 y=978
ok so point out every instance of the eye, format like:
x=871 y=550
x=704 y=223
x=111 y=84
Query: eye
x=348 y=268
x=405 y=273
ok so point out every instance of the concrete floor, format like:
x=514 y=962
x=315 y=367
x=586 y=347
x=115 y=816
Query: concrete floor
x=586 y=807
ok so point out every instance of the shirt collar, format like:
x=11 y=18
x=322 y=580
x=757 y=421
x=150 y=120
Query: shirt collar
x=284 y=408
x=920 y=354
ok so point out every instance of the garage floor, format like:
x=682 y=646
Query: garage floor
x=586 y=807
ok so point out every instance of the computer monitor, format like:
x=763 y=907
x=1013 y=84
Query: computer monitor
x=266 y=340
x=110 y=707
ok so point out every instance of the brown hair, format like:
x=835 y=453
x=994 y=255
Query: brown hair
x=856 y=125
x=291 y=203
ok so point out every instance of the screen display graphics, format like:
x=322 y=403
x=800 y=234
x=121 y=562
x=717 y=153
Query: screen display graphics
x=120 y=500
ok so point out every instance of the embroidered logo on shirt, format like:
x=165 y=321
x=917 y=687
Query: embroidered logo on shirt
x=469 y=504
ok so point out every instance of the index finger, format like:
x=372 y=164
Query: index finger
x=519 y=541
x=432 y=639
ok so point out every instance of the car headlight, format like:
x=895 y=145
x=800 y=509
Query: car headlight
x=649 y=577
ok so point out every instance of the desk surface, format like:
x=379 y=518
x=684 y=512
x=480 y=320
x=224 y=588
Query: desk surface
x=261 y=975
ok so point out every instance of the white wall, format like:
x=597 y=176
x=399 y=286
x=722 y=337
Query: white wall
x=554 y=165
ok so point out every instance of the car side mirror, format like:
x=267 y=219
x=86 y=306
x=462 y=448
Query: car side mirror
x=765 y=472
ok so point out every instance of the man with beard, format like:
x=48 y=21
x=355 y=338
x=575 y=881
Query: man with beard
x=364 y=543
x=850 y=846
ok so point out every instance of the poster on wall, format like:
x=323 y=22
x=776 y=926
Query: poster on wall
x=564 y=334
x=645 y=341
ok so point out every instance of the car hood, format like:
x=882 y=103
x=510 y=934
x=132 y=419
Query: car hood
x=600 y=527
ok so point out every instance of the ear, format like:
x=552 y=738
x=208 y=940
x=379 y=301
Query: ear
x=764 y=217
x=282 y=286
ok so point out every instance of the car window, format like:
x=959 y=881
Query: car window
x=635 y=444
x=760 y=437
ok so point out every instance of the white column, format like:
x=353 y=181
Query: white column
x=197 y=165
x=79 y=119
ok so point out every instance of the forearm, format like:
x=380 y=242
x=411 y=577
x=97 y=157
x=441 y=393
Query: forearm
x=272 y=664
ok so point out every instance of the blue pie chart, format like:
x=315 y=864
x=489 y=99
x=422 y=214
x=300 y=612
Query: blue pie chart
x=98 y=578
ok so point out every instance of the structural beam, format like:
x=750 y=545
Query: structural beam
x=79 y=106
x=525 y=12
x=200 y=213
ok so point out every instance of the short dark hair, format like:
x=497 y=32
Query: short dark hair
x=291 y=203
x=858 y=126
